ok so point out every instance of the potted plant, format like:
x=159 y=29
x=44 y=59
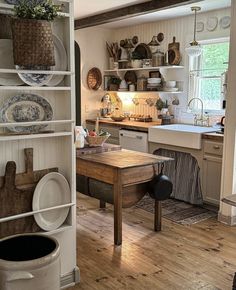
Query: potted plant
x=136 y=60
x=32 y=32
x=114 y=83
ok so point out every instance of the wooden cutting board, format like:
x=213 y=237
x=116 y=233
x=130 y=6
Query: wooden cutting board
x=173 y=44
x=15 y=201
x=16 y=195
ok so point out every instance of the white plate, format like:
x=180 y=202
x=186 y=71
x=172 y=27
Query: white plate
x=34 y=80
x=225 y=22
x=200 y=26
x=212 y=23
x=171 y=89
x=6 y=61
x=52 y=190
x=60 y=60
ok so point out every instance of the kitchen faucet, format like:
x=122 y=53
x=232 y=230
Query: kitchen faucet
x=200 y=119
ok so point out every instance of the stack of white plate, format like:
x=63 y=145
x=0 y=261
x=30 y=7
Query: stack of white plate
x=153 y=83
x=170 y=86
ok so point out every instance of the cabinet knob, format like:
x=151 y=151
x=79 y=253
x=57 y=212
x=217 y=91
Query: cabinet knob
x=216 y=147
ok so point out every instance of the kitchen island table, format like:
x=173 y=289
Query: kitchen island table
x=128 y=173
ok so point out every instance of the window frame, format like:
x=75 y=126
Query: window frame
x=195 y=65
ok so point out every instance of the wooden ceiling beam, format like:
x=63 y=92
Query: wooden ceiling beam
x=129 y=11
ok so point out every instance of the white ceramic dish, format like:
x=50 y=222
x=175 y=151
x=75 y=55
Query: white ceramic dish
x=200 y=26
x=52 y=190
x=170 y=84
x=225 y=22
x=34 y=80
x=154 y=80
x=171 y=89
x=60 y=60
x=6 y=61
x=212 y=23
x=26 y=108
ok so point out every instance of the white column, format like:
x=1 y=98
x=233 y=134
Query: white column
x=228 y=186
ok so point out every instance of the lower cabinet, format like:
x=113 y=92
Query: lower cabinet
x=211 y=171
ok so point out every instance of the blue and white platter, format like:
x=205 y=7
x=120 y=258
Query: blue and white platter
x=26 y=108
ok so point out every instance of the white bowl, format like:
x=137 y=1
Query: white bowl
x=154 y=80
x=170 y=84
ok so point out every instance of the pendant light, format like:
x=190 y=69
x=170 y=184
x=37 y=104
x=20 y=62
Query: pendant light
x=194 y=49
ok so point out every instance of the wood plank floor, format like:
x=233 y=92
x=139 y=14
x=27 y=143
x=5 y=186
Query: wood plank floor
x=200 y=256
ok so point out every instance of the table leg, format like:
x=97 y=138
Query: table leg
x=157 y=216
x=102 y=204
x=117 y=193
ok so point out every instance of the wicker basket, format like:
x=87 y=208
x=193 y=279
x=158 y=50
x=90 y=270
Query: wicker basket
x=96 y=141
x=32 y=42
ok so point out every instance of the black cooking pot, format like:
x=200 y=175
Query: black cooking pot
x=222 y=123
x=160 y=187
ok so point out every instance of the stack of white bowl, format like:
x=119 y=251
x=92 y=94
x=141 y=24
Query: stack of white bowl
x=170 y=86
x=153 y=83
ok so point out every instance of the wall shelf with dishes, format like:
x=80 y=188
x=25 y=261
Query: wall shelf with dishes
x=37 y=110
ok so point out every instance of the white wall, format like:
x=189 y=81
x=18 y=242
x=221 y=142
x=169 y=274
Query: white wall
x=92 y=43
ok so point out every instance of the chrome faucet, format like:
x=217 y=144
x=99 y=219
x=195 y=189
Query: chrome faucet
x=200 y=119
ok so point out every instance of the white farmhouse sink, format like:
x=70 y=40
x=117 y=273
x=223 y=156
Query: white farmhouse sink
x=178 y=135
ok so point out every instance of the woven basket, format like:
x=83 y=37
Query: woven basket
x=96 y=141
x=32 y=42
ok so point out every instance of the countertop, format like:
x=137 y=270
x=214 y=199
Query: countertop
x=214 y=137
x=142 y=126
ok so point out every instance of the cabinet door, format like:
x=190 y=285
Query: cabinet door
x=211 y=179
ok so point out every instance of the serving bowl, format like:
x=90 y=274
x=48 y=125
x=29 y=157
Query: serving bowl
x=170 y=84
x=118 y=119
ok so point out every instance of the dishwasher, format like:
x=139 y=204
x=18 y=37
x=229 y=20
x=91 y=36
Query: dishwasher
x=133 y=140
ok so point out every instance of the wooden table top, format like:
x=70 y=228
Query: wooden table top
x=124 y=158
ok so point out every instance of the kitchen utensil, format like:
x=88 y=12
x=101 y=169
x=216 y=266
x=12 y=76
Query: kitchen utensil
x=130 y=77
x=143 y=50
x=94 y=78
x=135 y=40
x=160 y=37
x=160 y=187
x=173 y=44
x=174 y=57
x=26 y=108
x=52 y=190
x=15 y=201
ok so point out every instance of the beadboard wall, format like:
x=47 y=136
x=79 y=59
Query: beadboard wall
x=93 y=52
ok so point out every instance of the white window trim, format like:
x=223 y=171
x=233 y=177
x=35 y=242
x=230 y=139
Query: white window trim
x=204 y=42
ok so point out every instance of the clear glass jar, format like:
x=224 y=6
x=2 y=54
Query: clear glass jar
x=158 y=58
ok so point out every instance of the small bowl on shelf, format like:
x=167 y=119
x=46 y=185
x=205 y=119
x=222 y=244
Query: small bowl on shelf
x=170 y=84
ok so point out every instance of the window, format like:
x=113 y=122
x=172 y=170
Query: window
x=205 y=77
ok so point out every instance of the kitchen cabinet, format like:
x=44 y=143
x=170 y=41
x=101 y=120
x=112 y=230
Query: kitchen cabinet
x=211 y=171
x=53 y=148
x=168 y=72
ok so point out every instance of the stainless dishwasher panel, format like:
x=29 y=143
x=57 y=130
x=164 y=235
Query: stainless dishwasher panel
x=134 y=140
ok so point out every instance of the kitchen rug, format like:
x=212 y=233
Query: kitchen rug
x=178 y=211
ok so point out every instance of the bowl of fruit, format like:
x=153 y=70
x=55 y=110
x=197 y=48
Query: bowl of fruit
x=118 y=118
x=97 y=139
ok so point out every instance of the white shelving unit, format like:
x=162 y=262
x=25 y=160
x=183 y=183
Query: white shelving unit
x=55 y=147
x=164 y=70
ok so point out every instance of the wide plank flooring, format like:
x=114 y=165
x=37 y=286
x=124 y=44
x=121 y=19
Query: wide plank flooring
x=200 y=256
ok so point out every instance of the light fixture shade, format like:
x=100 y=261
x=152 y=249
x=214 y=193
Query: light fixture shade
x=193 y=50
